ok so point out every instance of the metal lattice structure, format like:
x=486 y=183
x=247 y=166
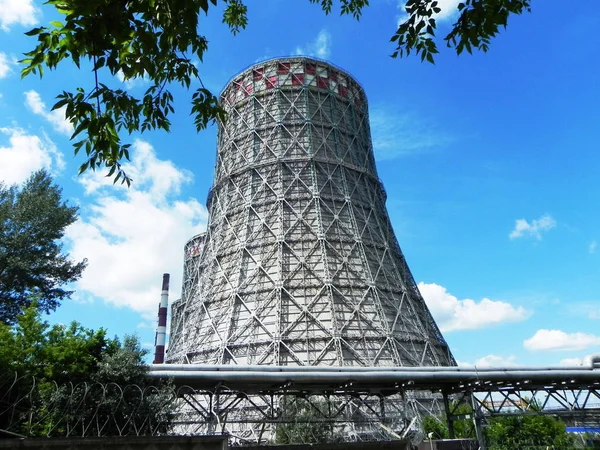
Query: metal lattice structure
x=313 y=404
x=299 y=264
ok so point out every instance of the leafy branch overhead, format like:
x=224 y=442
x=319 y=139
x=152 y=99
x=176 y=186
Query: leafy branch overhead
x=159 y=40
x=478 y=21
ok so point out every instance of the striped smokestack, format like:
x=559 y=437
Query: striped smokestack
x=161 y=331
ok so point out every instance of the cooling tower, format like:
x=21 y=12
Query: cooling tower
x=299 y=264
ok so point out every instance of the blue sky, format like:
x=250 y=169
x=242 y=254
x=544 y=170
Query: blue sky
x=490 y=163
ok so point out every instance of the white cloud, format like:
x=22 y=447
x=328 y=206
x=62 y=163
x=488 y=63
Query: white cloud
x=26 y=153
x=452 y=314
x=491 y=361
x=396 y=134
x=448 y=11
x=320 y=47
x=268 y=54
x=588 y=309
x=56 y=118
x=147 y=324
x=533 y=229
x=157 y=177
x=463 y=364
x=132 y=236
x=594 y=313
x=21 y=12
x=496 y=361
x=6 y=64
x=560 y=341
x=592 y=247
x=132 y=82
x=571 y=362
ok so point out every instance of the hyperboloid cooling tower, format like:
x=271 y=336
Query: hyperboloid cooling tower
x=299 y=264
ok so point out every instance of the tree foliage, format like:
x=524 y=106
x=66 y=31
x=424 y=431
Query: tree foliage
x=536 y=431
x=69 y=375
x=505 y=432
x=478 y=22
x=438 y=425
x=55 y=353
x=33 y=219
x=158 y=40
x=435 y=427
x=127 y=396
x=303 y=421
x=37 y=356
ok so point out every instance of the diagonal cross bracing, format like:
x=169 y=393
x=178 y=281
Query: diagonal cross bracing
x=299 y=265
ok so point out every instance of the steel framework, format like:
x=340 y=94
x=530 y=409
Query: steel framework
x=378 y=403
x=268 y=403
x=299 y=264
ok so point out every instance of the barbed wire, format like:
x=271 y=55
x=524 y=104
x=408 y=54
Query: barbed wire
x=31 y=407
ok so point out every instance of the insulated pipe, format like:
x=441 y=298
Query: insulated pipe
x=372 y=370
x=249 y=377
x=161 y=330
x=592 y=361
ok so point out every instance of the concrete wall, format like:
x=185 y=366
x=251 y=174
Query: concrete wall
x=382 y=445
x=449 y=444
x=120 y=443
x=212 y=443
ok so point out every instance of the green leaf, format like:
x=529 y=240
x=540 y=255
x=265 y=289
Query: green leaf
x=111 y=171
x=35 y=31
x=204 y=5
x=83 y=167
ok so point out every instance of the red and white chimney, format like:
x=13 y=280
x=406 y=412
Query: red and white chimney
x=161 y=331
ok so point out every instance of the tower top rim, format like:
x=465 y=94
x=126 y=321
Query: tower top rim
x=289 y=59
x=195 y=237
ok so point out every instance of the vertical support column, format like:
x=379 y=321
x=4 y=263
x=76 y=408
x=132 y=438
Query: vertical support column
x=381 y=409
x=477 y=419
x=329 y=417
x=449 y=416
x=212 y=421
x=161 y=330
x=281 y=275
